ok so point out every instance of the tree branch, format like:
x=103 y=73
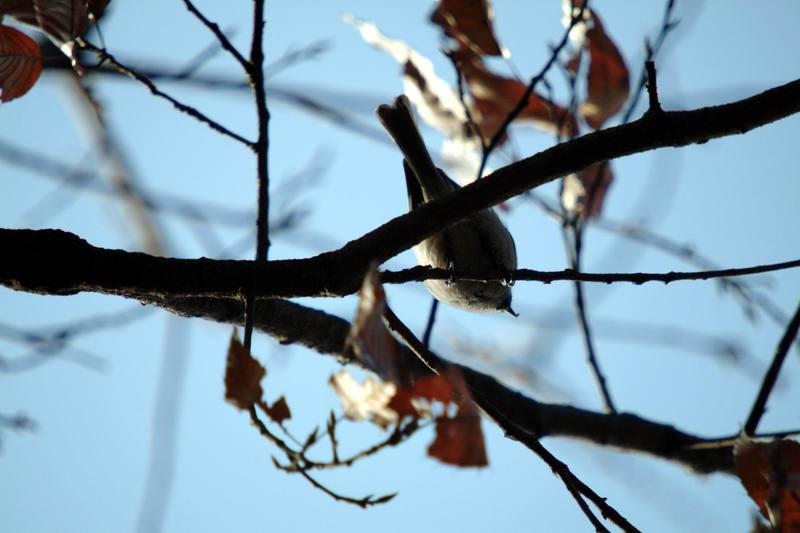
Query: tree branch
x=760 y=403
x=59 y=263
x=290 y=323
x=340 y=272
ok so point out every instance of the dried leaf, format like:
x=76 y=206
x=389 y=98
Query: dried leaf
x=459 y=440
x=584 y=193
x=369 y=337
x=62 y=21
x=608 y=83
x=430 y=388
x=470 y=23
x=496 y=96
x=20 y=63
x=771 y=474
x=243 y=375
x=436 y=101
x=367 y=400
x=279 y=411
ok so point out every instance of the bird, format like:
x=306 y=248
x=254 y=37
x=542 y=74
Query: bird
x=480 y=245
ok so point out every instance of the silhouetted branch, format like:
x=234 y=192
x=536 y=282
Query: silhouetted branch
x=255 y=72
x=772 y=374
x=575 y=486
x=523 y=101
x=58 y=262
x=106 y=57
x=298 y=464
x=421 y=273
x=218 y=33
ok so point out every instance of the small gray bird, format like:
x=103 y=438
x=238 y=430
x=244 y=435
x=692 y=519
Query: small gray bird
x=479 y=245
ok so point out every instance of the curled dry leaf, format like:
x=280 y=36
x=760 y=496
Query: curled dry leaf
x=583 y=193
x=243 y=375
x=368 y=400
x=20 y=63
x=436 y=101
x=607 y=81
x=470 y=23
x=771 y=474
x=369 y=337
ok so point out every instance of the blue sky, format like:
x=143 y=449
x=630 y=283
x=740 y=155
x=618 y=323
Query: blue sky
x=734 y=199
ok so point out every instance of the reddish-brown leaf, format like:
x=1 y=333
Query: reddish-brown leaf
x=278 y=411
x=584 y=193
x=495 y=96
x=20 y=63
x=607 y=77
x=61 y=20
x=470 y=23
x=459 y=440
x=431 y=388
x=771 y=474
x=369 y=337
x=243 y=375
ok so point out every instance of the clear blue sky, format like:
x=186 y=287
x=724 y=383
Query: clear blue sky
x=85 y=467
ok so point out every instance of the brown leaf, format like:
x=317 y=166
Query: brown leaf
x=243 y=375
x=369 y=337
x=20 y=63
x=771 y=474
x=607 y=77
x=496 y=96
x=279 y=411
x=430 y=388
x=61 y=20
x=459 y=440
x=470 y=23
x=584 y=193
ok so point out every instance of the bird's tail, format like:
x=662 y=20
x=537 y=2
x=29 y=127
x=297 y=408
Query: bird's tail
x=399 y=122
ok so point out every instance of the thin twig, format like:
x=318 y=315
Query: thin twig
x=255 y=71
x=197 y=61
x=749 y=299
x=575 y=247
x=772 y=374
x=295 y=459
x=221 y=37
x=667 y=25
x=106 y=57
x=262 y=144
x=426 y=337
x=422 y=273
x=523 y=101
x=471 y=124
x=652 y=88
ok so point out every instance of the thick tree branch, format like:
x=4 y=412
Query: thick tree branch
x=29 y=263
x=60 y=263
